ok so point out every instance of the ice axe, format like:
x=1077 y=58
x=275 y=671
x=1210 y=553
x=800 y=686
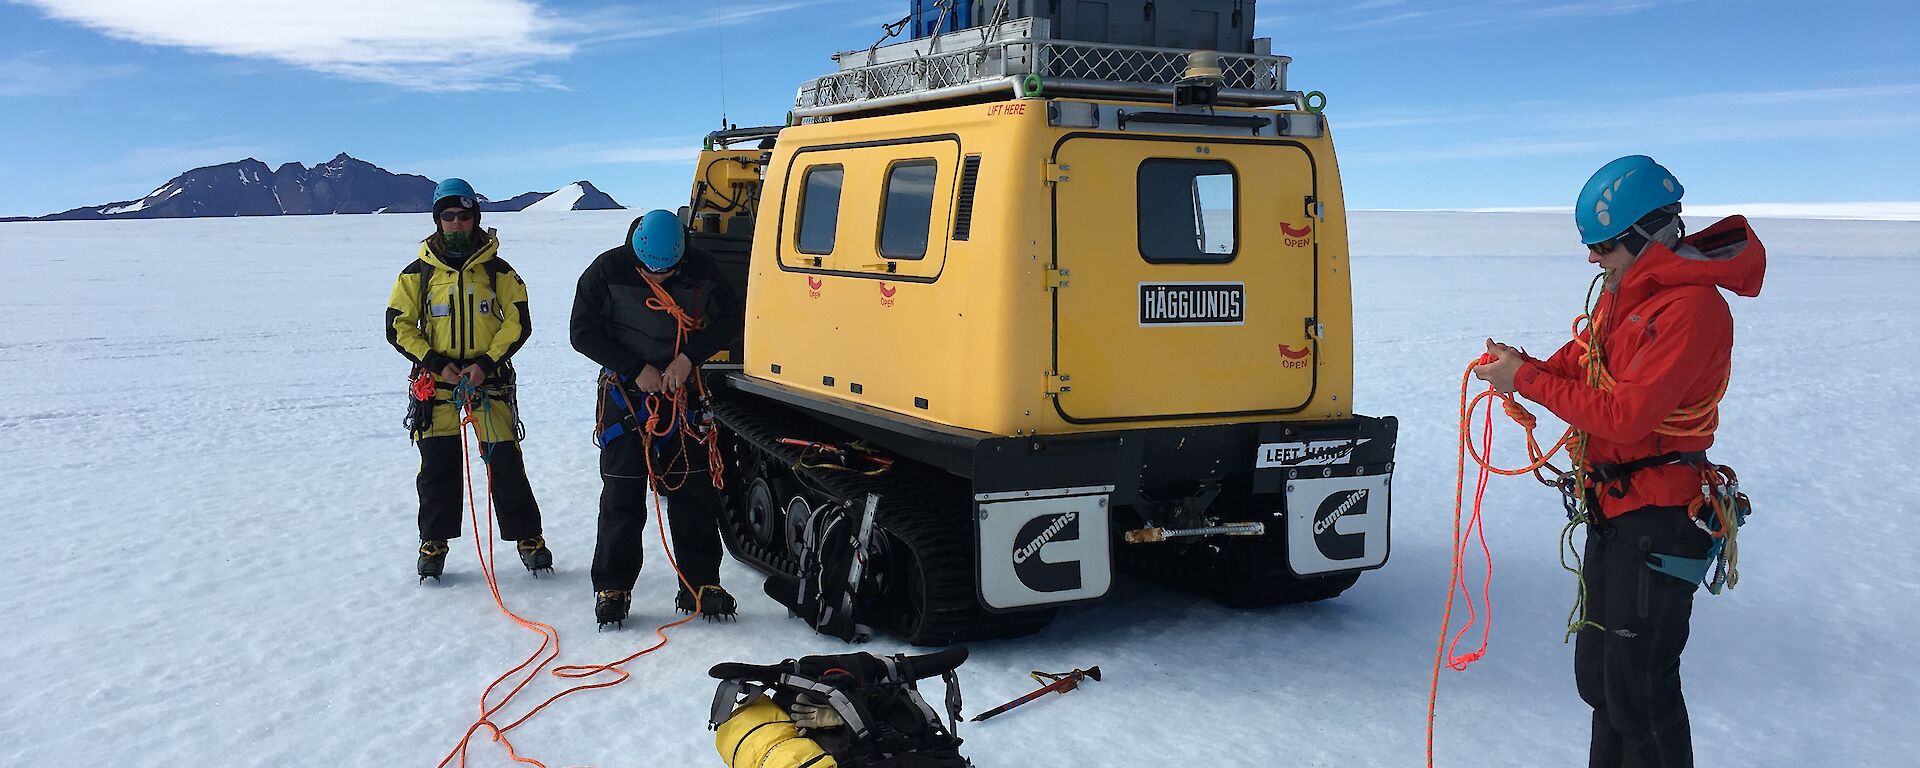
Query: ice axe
x=1055 y=682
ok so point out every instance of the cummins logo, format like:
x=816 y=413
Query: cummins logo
x=1332 y=544
x=1037 y=574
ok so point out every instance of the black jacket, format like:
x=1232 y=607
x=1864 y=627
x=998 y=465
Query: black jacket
x=613 y=326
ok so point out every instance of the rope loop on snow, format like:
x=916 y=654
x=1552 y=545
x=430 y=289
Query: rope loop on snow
x=475 y=405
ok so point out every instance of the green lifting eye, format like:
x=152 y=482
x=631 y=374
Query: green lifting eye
x=1030 y=86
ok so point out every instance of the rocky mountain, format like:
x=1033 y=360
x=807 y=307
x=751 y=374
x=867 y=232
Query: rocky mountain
x=341 y=185
x=578 y=196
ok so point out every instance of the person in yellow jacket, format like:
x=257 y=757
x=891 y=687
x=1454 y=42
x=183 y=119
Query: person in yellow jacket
x=458 y=313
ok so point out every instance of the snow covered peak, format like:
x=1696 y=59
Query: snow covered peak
x=561 y=200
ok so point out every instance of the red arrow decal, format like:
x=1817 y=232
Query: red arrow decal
x=1294 y=354
x=1303 y=231
x=814 y=283
x=886 y=291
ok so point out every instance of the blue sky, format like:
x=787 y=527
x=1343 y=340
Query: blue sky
x=1434 y=104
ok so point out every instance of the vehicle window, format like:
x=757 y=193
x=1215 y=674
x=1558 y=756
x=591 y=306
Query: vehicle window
x=820 y=208
x=1187 y=211
x=907 y=209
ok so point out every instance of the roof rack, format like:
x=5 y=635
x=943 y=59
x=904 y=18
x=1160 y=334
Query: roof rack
x=726 y=138
x=1020 y=58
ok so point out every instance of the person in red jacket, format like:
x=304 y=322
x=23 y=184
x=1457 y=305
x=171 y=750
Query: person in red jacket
x=1648 y=409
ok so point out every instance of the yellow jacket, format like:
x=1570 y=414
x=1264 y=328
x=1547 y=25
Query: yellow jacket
x=474 y=314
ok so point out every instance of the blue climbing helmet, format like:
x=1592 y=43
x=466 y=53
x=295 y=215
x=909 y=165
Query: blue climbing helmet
x=454 y=192
x=658 y=240
x=1621 y=193
x=455 y=188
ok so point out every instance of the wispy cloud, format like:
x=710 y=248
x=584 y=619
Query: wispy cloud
x=1574 y=10
x=1477 y=150
x=660 y=151
x=1427 y=18
x=486 y=44
x=471 y=45
x=1859 y=93
x=1408 y=119
x=36 y=73
x=1555 y=127
x=619 y=24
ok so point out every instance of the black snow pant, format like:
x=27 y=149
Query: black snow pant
x=1629 y=671
x=443 y=489
x=692 y=508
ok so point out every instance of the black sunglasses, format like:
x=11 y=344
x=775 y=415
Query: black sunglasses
x=1604 y=247
x=453 y=215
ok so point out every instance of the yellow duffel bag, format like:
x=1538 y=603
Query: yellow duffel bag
x=761 y=735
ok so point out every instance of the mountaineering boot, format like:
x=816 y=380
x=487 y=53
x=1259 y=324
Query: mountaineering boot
x=715 y=603
x=535 y=555
x=433 y=558
x=611 y=608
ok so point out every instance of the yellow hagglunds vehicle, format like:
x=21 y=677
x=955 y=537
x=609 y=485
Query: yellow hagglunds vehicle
x=1023 y=309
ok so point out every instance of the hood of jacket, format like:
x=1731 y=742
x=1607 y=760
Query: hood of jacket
x=1726 y=255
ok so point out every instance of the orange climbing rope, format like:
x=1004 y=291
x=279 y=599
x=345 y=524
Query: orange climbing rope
x=1445 y=653
x=685 y=325
x=549 y=649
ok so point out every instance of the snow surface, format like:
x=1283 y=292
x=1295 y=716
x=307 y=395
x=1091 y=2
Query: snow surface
x=1871 y=211
x=560 y=200
x=210 y=517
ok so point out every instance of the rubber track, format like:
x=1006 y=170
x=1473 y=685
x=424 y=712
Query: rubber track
x=925 y=510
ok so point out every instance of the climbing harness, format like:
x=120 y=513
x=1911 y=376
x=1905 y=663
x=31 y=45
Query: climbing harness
x=670 y=416
x=1052 y=682
x=425 y=390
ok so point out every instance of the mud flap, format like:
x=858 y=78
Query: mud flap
x=1042 y=547
x=1337 y=524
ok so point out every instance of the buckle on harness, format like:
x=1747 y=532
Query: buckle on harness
x=1569 y=495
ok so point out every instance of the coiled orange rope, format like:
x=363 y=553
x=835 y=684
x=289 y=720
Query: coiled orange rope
x=1445 y=653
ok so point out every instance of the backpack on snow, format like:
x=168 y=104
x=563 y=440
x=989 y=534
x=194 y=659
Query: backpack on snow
x=850 y=710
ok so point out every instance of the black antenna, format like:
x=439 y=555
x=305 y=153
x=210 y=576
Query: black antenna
x=720 y=42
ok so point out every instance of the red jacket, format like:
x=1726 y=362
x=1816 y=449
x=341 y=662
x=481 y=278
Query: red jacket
x=1668 y=339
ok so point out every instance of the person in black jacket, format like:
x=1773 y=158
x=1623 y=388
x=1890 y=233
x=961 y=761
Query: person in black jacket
x=649 y=311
